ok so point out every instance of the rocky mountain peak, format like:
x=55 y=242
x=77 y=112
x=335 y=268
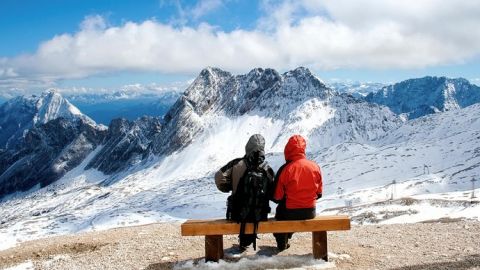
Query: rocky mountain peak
x=51 y=105
x=22 y=113
x=118 y=126
x=211 y=76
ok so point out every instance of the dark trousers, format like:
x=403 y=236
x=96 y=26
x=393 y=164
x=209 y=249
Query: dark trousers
x=283 y=213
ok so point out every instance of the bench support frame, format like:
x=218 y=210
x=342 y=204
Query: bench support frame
x=319 y=244
x=213 y=248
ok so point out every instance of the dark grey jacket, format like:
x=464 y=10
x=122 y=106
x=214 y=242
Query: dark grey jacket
x=228 y=177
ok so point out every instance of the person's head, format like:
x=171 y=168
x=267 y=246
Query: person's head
x=255 y=150
x=295 y=148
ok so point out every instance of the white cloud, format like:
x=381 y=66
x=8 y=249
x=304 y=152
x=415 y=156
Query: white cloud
x=131 y=90
x=93 y=22
x=325 y=35
x=188 y=13
x=7 y=73
x=204 y=7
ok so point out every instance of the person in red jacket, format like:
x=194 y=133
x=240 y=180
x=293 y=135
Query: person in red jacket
x=298 y=185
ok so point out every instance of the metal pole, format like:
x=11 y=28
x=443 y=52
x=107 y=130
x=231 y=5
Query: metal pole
x=393 y=190
x=473 y=187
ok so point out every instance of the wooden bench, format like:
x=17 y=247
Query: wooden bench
x=213 y=230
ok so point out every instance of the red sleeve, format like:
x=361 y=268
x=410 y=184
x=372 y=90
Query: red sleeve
x=280 y=188
x=319 y=182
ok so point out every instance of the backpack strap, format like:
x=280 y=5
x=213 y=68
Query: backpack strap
x=255 y=237
x=229 y=207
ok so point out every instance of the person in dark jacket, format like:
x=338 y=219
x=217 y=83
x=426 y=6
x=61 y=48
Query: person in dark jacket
x=228 y=177
x=298 y=184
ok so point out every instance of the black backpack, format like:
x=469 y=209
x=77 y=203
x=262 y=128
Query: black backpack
x=249 y=204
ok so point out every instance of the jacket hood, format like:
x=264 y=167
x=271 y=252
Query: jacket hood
x=256 y=143
x=295 y=148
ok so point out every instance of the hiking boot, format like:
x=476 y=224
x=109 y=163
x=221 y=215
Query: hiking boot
x=282 y=246
x=282 y=241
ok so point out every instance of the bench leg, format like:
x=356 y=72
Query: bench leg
x=213 y=248
x=319 y=242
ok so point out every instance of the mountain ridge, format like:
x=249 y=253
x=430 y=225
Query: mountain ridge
x=421 y=96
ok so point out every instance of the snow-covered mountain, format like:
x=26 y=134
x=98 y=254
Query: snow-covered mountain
x=46 y=153
x=22 y=113
x=355 y=88
x=422 y=96
x=43 y=138
x=296 y=98
x=162 y=169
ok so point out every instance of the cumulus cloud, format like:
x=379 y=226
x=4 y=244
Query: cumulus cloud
x=326 y=35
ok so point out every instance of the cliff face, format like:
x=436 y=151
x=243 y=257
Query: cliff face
x=126 y=143
x=46 y=153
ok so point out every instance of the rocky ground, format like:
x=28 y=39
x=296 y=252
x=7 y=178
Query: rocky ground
x=444 y=244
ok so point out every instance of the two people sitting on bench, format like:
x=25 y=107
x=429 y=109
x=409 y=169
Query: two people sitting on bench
x=297 y=186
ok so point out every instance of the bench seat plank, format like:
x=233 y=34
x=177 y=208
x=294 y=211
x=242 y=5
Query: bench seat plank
x=223 y=227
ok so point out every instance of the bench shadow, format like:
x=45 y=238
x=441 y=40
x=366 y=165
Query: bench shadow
x=267 y=251
x=467 y=262
x=234 y=252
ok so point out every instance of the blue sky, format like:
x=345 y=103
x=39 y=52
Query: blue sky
x=108 y=44
x=24 y=24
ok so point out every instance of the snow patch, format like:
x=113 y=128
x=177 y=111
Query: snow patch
x=260 y=262
x=28 y=265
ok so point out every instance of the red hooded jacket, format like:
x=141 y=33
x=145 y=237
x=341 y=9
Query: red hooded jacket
x=300 y=181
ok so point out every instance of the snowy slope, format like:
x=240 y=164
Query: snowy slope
x=181 y=185
x=434 y=157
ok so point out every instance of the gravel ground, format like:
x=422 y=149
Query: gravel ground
x=447 y=244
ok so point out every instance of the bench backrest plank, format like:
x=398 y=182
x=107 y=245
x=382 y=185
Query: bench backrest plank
x=223 y=227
